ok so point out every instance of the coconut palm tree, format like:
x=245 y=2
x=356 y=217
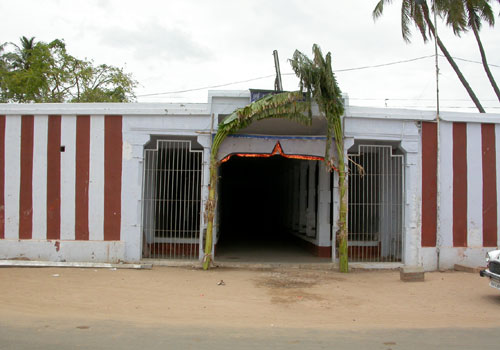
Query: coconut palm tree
x=417 y=12
x=21 y=58
x=467 y=15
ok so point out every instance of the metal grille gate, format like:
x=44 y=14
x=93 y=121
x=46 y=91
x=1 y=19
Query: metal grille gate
x=171 y=200
x=375 y=224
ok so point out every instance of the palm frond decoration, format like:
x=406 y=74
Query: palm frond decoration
x=318 y=84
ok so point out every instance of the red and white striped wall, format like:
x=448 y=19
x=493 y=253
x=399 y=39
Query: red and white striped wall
x=60 y=186
x=460 y=216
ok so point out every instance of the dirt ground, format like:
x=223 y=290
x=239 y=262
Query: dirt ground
x=247 y=298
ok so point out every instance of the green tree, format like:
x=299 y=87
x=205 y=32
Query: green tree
x=318 y=84
x=3 y=70
x=21 y=56
x=417 y=12
x=46 y=72
x=467 y=15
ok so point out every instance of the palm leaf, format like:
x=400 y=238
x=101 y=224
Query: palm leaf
x=318 y=84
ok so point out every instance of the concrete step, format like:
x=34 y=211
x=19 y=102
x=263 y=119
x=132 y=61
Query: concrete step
x=412 y=274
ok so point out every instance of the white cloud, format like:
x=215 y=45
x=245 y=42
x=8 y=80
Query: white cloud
x=153 y=42
x=171 y=45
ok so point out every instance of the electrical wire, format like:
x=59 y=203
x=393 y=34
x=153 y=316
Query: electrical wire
x=273 y=75
x=335 y=71
x=383 y=64
x=207 y=87
x=471 y=61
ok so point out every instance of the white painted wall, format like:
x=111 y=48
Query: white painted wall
x=474 y=186
x=370 y=129
x=136 y=133
x=472 y=255
x=68 y=176
x=141 y=121
x=40 y=177
x=12 y=175
x=96 y=179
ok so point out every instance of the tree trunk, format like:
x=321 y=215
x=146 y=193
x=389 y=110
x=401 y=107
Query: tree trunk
x=210 y=212
x=451 y=61
x=211 y=201
x=342 y=223
x=343 y=251
x=485 y=62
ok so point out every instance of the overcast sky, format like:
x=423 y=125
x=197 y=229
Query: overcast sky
x=172 y=46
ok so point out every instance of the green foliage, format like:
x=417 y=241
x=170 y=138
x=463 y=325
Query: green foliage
x=412 y=12
x=417 y=12
x=318 y=84
x=46 y=72
x=465 y=15
x=288 y=105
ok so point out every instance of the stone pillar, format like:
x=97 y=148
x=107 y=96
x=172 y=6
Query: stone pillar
x=311 y=200
x=323 y=211
x=303 y=196
x=296 y=196
x=206 y=142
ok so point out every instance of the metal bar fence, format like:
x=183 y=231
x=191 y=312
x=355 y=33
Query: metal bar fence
x=171 y=202
x=375 y=222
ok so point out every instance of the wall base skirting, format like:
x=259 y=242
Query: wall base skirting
x=319 y=251
x=58 y=250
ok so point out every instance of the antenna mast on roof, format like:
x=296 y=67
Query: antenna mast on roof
x=278 y=85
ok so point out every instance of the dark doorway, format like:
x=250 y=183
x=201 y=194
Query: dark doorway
x=253 y=208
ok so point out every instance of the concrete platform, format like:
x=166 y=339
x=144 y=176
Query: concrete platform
x=29 y=263
x=412 y=274
x=469 y=269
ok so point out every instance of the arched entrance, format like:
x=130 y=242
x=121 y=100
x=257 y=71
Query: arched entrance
x=269 y=206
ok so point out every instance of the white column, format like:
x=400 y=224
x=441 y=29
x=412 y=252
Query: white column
x=12 y=175
x=296 y=197
x=311 y=200
x=474 y=186
x=206 y=142
x=323 y=211
x=445 y=233
x=303 y=196
x=68 y=163
x=497 y=149
x=132 y=170
x=412 y=213
x=40 y=177
x=96 y=179
x=289 y=196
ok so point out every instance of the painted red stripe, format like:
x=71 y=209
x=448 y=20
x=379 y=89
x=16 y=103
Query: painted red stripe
x=459 y=185
x=489 y=185
x=54 y=177
x=26 y=188
x=112 y=177
x=429 y=184
x=2 y=176
x=82 y=177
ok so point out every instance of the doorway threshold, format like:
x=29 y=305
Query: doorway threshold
x=327 y=264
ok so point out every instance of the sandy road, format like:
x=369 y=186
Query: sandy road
x=289 y=298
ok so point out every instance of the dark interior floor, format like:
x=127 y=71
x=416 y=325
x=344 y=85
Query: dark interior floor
x=265 y=250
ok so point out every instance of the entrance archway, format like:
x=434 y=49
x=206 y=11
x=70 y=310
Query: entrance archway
x=260 y=216
x=269 y=206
